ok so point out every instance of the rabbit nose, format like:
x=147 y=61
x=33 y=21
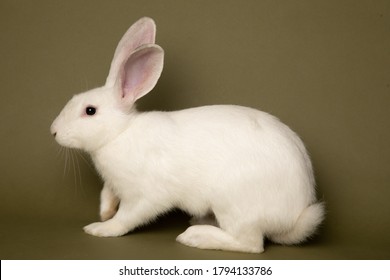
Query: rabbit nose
x=53 y=130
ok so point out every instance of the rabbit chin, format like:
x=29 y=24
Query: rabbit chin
x=68 y=142
x=78 y=144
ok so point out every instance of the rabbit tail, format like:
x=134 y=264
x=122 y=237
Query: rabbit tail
x=306 y=224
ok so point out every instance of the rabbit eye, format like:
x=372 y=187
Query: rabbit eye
x=90 y=110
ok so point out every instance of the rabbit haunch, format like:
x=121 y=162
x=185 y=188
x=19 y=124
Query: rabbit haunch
x=239 y=165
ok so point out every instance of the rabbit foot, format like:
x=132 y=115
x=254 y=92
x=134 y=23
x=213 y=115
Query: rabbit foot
x=192 y=238
x=211 y=237
x=109 y=228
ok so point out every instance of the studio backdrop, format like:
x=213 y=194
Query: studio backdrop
x=322 y=67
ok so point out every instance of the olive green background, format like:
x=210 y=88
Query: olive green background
x=322 y=67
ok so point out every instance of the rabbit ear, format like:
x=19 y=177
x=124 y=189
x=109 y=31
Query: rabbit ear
x=141 y=32
x=140 y=73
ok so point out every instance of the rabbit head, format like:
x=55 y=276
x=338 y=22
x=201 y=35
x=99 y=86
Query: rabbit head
x=91 y=119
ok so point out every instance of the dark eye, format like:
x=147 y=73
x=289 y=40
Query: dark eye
x=90 y=110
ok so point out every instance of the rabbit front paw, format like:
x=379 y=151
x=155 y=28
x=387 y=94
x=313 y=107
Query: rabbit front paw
x=109 y=228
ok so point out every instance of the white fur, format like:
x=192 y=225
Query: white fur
x=237 y=164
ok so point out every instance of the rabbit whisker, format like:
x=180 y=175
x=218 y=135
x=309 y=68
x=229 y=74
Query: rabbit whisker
x=74 y=170
x=82 y=156
x=78 y=173
x=66 y=155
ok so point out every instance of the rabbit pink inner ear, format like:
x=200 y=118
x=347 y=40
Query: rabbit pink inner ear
x=141 y=32
x=141 y=72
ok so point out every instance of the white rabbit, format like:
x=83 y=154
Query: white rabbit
x=239 y=165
